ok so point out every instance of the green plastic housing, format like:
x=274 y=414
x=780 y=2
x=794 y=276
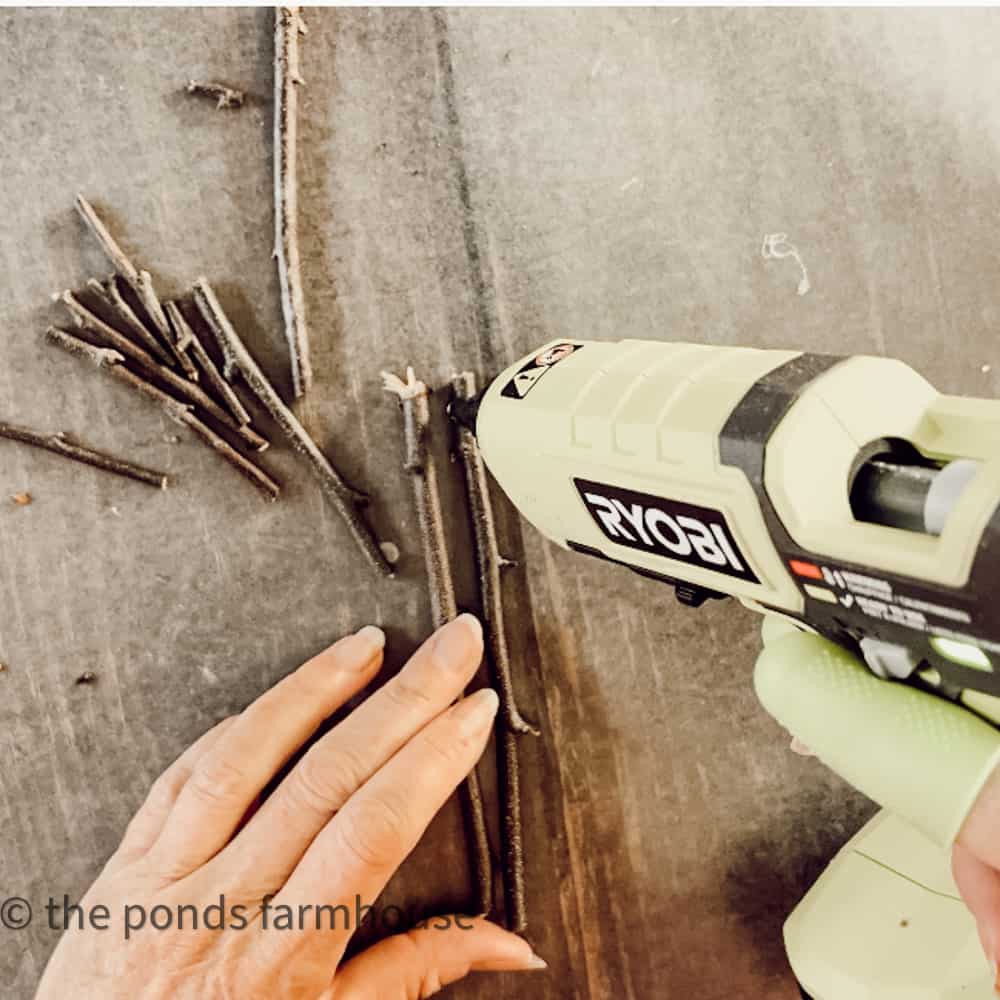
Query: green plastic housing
x=916 y=754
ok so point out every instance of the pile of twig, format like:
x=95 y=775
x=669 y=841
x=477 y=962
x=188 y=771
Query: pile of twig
x=186 y=356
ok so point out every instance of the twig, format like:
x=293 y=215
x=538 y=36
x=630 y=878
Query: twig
x=344 y=498
x=419 y=463
x=288 y=25
x=139 y=281
x=182 y=339
x=184 y=335
x=194 y=394
x=154 y=309
x=112 y=362
x=225 y=97
x=109 y=245
x=111 y=296
x=489 y=563
x=63 y=445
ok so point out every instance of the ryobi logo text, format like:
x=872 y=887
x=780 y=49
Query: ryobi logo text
x=686 y=532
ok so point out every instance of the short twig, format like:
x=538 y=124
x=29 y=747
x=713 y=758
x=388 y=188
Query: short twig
x=344 y=498
x=288 y=25
x=225 y=97
x=111 y=295
x=87 y=320
x=154 y=309
x=182 y=339
x=112 y=362
x=489 y=563
x=183 y=334
x=63 y=445
x=419 y=463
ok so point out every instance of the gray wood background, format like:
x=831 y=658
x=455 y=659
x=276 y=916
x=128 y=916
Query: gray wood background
x=473 y=183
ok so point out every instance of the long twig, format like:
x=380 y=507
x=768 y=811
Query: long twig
x=344 y=498
x=288 y=25
x=111 y=361
x=111 y=295
x=88 y=320
x=119 y=260
x=419 y=463
x=224 y=97
x=489 y=564
x=185 y=335
x=63 y=445
x=139 y=281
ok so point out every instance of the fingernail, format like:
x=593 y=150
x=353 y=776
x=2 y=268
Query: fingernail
x=372 y=637
x=458 y=640
x=536 y=962
x=475 y=713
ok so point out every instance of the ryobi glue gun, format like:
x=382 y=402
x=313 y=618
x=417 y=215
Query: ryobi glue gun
x=840 y=496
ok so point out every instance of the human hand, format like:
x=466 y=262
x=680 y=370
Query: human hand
x=332 y=833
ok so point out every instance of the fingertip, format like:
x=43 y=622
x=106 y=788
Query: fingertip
x=458 y=642
x=371 y=636
x=472 y=623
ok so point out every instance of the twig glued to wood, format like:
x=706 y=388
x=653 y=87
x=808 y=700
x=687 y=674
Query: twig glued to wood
x=288 y=25
x=87 y=320
x=419 y=463
x=224 y=97
x=344 y=498
x=65 y=446
x=185 y=335
x=111 y=295
x=111 y=361
x=489 y=564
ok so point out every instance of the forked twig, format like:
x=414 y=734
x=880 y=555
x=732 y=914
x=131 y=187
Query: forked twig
x=111 y=361
x=87 y=320
x=65 y=446
x=288 y=25
x=184 y=335
x=224 y=97
x=419 y=463
x=489 y=564
x=344 y=498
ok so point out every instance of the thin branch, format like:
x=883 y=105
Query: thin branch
x=344 y=498
x=139 y=281
x=185 y=335
x=182 y=340
x=112 y=362
x=111 y=296
x=63 y=445
x=112 y=250
x=224 y=97
x=288 y=25
x=419 y=463
x=489 y=563
x=154 y=309
x=87 y=320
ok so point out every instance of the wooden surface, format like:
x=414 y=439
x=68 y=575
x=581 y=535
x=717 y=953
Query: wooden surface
x=473 y=183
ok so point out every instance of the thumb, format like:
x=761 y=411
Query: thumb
x=415 y=965
x=979 y=885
